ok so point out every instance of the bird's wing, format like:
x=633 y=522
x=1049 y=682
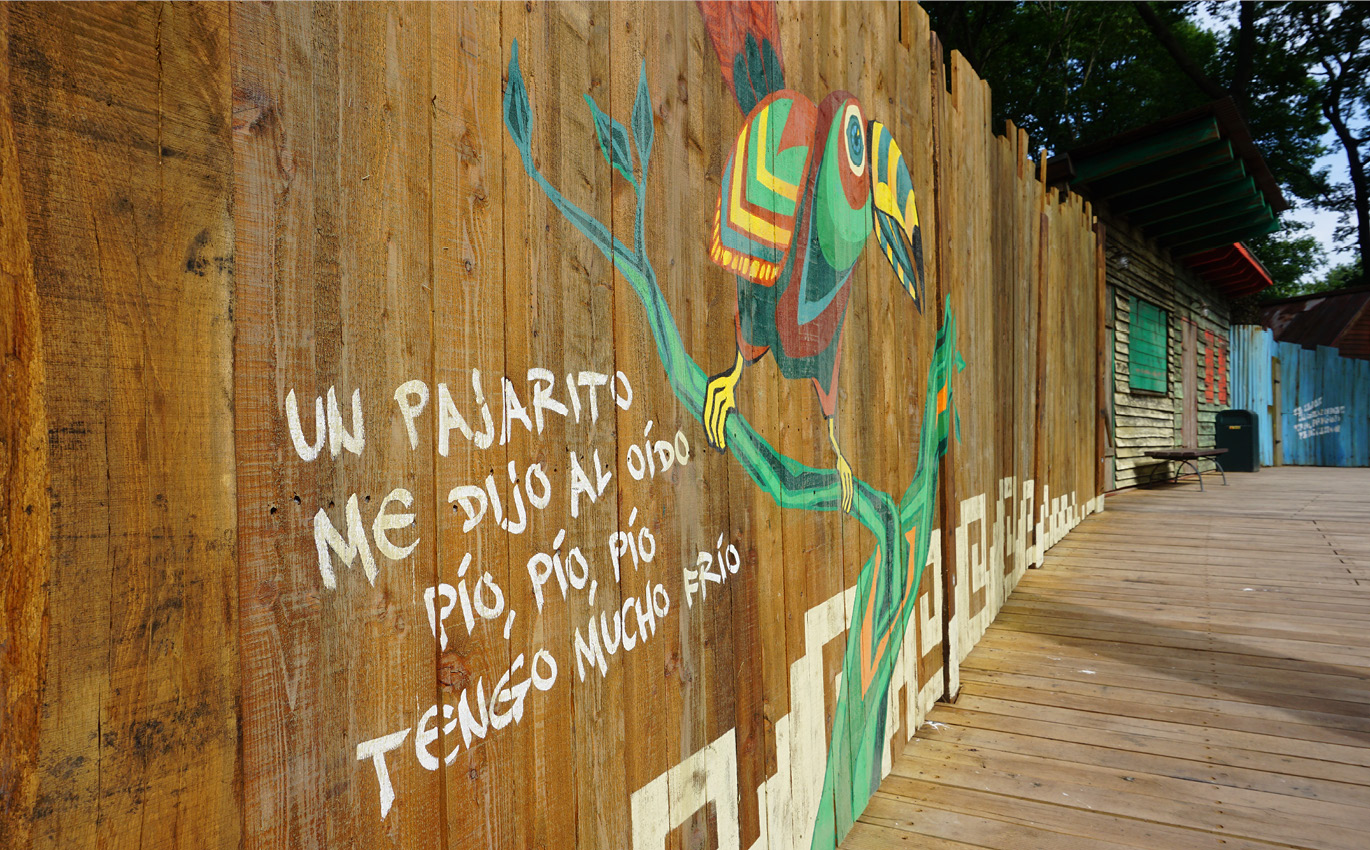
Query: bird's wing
x=763 y=188
x=747 y=39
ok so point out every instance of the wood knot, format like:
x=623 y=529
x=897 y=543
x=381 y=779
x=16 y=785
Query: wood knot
x=453 y=673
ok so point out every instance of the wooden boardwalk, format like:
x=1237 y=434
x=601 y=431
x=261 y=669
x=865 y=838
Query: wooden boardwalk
x=1187 y=670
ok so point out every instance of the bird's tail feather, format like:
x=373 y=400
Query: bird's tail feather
x=746 y=37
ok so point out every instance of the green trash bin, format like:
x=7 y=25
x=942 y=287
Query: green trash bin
x=1236 y=432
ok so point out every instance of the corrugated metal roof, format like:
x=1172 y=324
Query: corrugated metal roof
x=1340 y=320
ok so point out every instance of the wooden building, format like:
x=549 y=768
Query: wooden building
x=1174 y=198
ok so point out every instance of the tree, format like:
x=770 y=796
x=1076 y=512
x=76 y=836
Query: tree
x=1344 y=276
x=1061 y=70
x=1290 y=255
x=1327 y=45
x=1336 y=39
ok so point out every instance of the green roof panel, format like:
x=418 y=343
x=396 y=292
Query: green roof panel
x=1192 y=202
x=1148 y=151
x=1157 y=171
x=1207 y=219
x=1225 y=238
x=1185 y=180
x=1187 y=185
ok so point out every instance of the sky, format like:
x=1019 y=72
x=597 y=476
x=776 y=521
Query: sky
x=1324 y=222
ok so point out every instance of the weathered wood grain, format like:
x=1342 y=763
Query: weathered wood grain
x=121 y=129
x=1127 y=697
x=25 y=512
x=220 y=219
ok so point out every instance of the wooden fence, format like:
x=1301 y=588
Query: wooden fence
x=1312 y=405
x=355 y=487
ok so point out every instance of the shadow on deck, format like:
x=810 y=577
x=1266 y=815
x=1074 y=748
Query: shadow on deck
x=1187 y=670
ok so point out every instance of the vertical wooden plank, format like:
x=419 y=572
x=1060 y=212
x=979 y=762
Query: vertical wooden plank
x=123 y=152
x=972 y=300
x=1044 y=338
x=788 y=415
x=902 y=338
x=702 y=299
x=581 y=63
x=1102 y=364
x=484 y=779
x=283 y=775
x=1029 y=204
x=386 y=311
x=860 y=415
x=1189 y=434
x=548 y=273
x=943 y=208
x=25 y=508
x=924 y=77
x=650 y=39
x=336 y=300
x=281 y=268
x=754 y=606
x=760 y=607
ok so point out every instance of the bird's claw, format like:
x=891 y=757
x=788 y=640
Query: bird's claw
x=719 y=401
x=843 y=468
x=848 y=489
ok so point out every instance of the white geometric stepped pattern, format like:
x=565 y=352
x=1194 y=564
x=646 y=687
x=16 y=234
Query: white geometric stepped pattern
x=788 y=800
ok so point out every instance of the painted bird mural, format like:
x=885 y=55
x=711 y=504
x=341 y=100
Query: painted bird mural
x=803 y=188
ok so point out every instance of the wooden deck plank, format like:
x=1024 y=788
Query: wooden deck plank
x=1047 y=741
x=1187 y=670
x=1152 y=797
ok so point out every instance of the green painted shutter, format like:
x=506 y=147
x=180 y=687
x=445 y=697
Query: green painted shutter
x=1147 y=346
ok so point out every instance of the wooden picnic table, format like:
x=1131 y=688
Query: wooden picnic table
x=1190 y=458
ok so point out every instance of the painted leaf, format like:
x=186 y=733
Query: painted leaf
x=613 y=142
x=517 y=113
x=643 y=130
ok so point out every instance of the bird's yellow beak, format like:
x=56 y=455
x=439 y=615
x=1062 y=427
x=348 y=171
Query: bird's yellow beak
x=896 y=215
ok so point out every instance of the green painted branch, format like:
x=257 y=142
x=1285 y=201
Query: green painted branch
x=889 y=576
x=790 y=483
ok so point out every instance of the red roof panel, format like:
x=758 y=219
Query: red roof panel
x=1231 y=269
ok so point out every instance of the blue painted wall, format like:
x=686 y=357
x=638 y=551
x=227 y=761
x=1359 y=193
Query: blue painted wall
x=1324 y=415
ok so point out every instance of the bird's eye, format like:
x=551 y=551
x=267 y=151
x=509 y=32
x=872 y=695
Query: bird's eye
x=856 y=147
x=853 y=133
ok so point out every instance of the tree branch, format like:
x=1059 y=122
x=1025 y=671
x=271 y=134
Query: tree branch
x=1245 y=62
x=1167 y=39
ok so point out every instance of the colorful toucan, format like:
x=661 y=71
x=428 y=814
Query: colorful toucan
x=802 y=190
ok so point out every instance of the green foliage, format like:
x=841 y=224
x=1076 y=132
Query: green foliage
x=1061 y=70
x=1280 y=102
x=1344 y=276
x=1292 y=256
x=1076 y=73
x=1334 y=39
